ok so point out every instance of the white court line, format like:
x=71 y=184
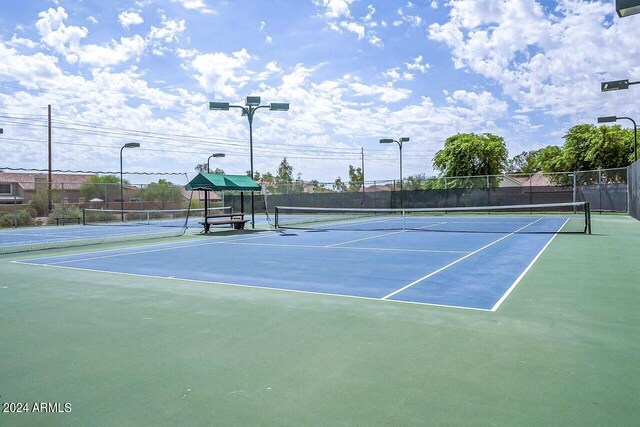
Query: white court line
x=423 y=278
x=379 y=235
x=133 y=252
x=347 y=247
x=265 y=288
x=513 y=286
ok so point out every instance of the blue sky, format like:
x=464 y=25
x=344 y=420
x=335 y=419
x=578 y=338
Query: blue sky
x=354 y=71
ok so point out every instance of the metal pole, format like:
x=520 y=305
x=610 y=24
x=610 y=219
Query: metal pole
x=401 y=178
x=121 y=189
x=251 y=110
x=50 y=178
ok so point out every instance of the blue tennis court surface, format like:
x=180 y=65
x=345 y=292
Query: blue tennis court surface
x=456 y=269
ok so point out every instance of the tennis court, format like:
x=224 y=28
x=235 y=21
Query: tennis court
x=395 y=264
x=498 y=319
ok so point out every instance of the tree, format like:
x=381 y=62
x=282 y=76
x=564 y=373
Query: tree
x=105 y=187
x=469 y=154
x=201 y=168
x=163 y=192
x=356 y=177
x=338 y=185
x=544 y=159
x=589 y=147
x=284 y=176
x=218 y=171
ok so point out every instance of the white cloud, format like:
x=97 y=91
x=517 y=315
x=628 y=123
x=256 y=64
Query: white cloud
x=376 y=41
x=268 y=39
x=198 y=5
x=19 y=41
x=335 y=8
x=417 y=65
x=92 y=19
x=65 y=40
x=386 y=93
x=353 y=27
x=550 y=61
x=127 y=19
x=55 y=34
x=222 y=74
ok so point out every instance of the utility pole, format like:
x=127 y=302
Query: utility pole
x=49 y=178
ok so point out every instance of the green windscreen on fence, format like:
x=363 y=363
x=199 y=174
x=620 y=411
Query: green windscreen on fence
x=634 y=190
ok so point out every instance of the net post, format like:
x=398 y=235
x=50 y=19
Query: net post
x=587 y=217
x=275 y=216
x=84 y=221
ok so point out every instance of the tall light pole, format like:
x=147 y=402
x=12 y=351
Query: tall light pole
x=206 y=193
x=399 y=141
x=209 y=159
x=611 y=119
x=128 y=145
x=251 y=105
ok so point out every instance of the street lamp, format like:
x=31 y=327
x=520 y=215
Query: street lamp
x=611 y=119
x=627 y=7
x=616 y=85
x=251 y=105
x=399 y=141
x=127 y=145
x=209 y=159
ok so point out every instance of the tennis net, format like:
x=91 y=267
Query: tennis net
x=112 y=226
x=536 y=218
x=172 y=218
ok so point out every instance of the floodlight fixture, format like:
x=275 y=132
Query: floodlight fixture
x=614 y=85
x=131 y=145
x=252 y=101
x=399 y=141
x=209 y=159
x=626 y=8
x=252 y=104
x=219 y=106
x=607 y=119
x=279 y=106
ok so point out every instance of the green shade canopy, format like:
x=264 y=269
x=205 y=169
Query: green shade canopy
x=218 y=182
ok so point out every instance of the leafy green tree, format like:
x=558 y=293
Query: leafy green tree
x=162 y=192
x=285 y=172
x=105 y=187
x=355 y=178
x=40 y=201
x=545 y=159
x=218 y=171
x=339 y=185
x=201 y=168
x=469 y=154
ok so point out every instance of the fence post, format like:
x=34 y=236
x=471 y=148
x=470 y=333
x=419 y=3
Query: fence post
x=15 y=208
x=599 y=190
x=574 y=189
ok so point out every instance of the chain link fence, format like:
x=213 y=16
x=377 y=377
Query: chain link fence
x=605 y=190
x=35 y=202
x=634 y=190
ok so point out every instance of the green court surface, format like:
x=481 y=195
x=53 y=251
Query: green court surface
x=563 y=349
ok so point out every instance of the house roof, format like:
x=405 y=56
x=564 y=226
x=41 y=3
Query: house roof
x=220 y=182
x=28 y=180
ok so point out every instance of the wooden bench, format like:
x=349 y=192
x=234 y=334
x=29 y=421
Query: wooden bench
x=236 y=220
x=67 y=220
